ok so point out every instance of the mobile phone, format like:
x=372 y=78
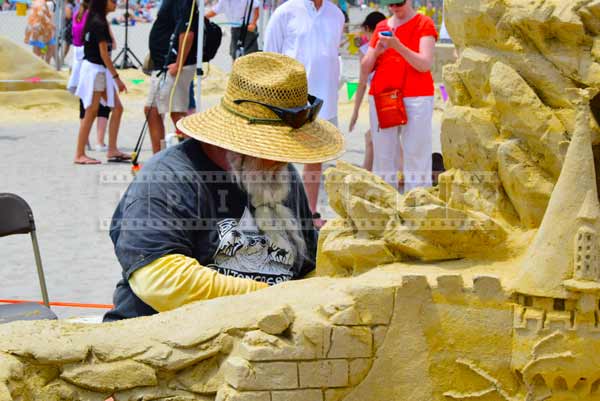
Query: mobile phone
x=386 y=33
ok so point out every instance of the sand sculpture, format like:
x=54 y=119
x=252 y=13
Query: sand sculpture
x=485 y=288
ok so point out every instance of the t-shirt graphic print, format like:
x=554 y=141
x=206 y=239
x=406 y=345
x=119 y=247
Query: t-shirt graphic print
x=245 y=252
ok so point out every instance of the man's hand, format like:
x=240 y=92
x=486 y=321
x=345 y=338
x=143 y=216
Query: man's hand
x=251 y=27
x=172 y=68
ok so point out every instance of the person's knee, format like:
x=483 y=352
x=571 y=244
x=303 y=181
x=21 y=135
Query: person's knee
x=118 y=109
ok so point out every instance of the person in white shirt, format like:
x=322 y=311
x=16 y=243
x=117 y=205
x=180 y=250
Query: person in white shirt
x=239 y=12
x=311 y=32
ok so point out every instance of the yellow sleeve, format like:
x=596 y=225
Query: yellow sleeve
x=175 y=280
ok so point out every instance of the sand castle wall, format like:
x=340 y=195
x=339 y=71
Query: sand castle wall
x=381 y=336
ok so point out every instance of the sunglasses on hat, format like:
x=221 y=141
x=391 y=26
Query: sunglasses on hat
x=294 y=117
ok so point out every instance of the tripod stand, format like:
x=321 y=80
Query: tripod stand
x=126 y=51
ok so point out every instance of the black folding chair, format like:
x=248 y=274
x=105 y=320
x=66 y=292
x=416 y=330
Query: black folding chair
x=16 y=217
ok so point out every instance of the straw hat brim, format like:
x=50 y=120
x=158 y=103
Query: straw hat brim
x=314 y=142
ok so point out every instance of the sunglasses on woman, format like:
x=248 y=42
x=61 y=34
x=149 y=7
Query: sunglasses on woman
x=399 y=3
x=294 y=117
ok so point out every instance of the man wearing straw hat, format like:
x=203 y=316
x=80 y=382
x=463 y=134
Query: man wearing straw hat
x=225 y=212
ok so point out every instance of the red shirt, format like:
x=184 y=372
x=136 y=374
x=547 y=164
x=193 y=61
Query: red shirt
x=391 y=70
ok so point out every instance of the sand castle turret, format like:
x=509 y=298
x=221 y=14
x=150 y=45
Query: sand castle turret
x=565 y=252
x=586 y=260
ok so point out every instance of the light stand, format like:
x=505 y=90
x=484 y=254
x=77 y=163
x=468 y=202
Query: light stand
x=126 y=51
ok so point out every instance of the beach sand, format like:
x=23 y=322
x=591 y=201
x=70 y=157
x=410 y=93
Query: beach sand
x=73 y=204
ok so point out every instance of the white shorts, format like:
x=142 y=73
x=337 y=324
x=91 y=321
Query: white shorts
x=160 y=90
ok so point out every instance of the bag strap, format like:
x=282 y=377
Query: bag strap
x=245 y=23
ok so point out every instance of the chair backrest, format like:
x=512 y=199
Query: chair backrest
x=16 y=216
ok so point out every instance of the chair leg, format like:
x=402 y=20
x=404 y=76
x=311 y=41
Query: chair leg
x=40 y=270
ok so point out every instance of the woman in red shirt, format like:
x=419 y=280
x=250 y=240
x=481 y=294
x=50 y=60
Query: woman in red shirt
x=403 y=61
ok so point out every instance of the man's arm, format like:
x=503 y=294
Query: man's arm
x=254 y=20
x=183 y=51
x=185 y=40
x=175 y=280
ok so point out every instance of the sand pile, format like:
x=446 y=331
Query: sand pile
x=42 y=89
x=16 y=63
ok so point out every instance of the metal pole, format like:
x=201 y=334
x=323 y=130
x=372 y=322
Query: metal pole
x=40 y=270
x=199 y=53
x=59 y=24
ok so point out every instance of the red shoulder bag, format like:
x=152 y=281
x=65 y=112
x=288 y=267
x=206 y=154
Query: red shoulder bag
x=390 y=108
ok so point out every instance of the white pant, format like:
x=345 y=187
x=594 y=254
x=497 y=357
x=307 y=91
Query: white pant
x=405 y=148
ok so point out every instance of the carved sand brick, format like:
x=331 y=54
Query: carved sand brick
x=323 y=374
x=243 y=375
x=350 y=342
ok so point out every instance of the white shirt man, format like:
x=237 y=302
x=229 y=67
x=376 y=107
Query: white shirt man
x=311 y=31
x=312 y=36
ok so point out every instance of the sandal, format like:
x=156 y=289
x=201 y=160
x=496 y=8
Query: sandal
x=119 y=158
x=87 y=161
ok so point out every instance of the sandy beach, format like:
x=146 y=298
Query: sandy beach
x=72 y=205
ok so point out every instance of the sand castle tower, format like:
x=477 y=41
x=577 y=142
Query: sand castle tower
x=566 y=246
x=558 y=287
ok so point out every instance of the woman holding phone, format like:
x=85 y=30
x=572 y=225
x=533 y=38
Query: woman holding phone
x=99 y=82
x=401 y=56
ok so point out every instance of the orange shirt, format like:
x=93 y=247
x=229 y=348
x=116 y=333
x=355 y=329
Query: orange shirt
x=392 y=71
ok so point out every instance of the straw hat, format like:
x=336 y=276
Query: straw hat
x=276 y=80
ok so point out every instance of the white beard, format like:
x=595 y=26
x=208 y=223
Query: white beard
x=268 y=188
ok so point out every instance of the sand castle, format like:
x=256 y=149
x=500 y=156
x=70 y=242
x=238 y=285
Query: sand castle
x=484 y=288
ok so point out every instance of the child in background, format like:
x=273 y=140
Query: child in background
x=40 y=31
x=99 y=82
x=77 y=26
x=368 y=27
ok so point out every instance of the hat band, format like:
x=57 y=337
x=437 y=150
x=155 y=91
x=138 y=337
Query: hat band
x=251 y=119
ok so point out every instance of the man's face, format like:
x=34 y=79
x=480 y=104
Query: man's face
x=255 y=173
x=271 y=165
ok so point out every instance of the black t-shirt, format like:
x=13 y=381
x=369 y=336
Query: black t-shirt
x=173 y=17
x=183 y=203
x=95 y=31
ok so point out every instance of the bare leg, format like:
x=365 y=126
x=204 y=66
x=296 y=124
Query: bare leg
x=113 y=128
x=38 y=52
x=312 y=182
x=176 y=117
x=156 y=127
x=50 y=53
x=368 y=163
x=101 y=123
x=66 y=51
x=85 y=127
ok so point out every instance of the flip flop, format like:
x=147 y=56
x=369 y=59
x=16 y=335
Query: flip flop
x=119 y=159
x=88 y=162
